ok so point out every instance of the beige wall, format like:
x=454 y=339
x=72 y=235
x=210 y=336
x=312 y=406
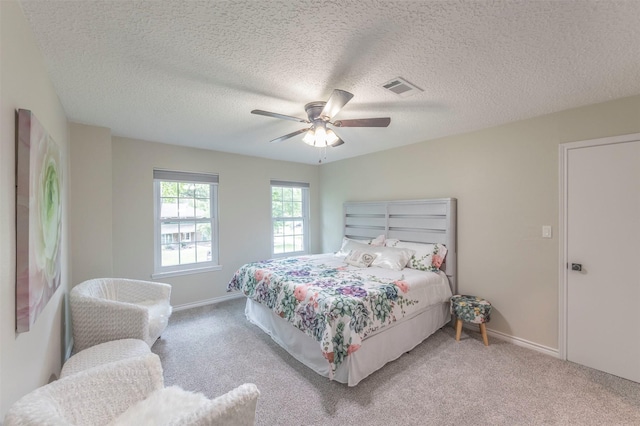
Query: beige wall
x=506 y=181
x=244 y=209
x=27 y=360
x=90 y=203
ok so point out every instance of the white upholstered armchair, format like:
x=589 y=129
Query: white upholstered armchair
x=106 y=309
x=126 y=392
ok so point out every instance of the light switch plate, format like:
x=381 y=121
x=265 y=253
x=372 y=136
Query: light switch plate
x=546 y=231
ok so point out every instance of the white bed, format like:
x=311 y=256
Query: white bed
x=414 y=221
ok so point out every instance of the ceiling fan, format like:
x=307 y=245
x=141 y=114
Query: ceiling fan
x=319 y=114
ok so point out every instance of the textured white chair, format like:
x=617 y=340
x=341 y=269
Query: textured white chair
x=106 y=309
x=126 y=392
x=104 y=353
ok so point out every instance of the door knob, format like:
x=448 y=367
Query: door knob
x=576 y=266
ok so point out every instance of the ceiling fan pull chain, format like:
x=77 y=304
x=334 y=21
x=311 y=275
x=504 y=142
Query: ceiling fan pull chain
x=322 y=154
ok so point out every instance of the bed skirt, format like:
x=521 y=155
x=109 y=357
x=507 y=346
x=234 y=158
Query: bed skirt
x=376 y=350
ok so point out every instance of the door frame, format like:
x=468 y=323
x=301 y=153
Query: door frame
x=564 y=150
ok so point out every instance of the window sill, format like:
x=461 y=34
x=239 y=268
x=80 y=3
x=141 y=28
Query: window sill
x=186 y=272
x=290 y=254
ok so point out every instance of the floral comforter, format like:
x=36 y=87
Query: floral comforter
x=336 y=304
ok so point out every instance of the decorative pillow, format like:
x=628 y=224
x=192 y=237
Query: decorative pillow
x=391 y=242
x=390 y=257
x=427 y=257
x=361 y=259
x=377 y=241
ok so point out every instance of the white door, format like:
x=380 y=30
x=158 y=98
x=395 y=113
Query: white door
x=603 y=236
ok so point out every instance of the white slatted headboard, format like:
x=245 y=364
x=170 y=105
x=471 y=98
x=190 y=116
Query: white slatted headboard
x=418 y=221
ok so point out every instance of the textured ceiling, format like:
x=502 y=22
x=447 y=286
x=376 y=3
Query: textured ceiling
x=189 y=72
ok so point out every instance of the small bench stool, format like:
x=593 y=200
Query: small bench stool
x=104 y=353
x=471 y=309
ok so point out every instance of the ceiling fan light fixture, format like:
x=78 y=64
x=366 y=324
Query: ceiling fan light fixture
x=310 y=138
x=321 y=137
x=331 y=137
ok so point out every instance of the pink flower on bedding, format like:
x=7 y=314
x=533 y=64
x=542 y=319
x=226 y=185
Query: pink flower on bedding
x=314 y=300
x=328 y=356
x=259 y=275
x=402 y=285
x=300 y=292
x=437 y=261
x=352 y=348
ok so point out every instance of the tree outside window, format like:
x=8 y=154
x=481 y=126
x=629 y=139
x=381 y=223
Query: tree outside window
x=185 y=221
x=289 y=215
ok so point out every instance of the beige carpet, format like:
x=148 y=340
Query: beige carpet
x=213 y=349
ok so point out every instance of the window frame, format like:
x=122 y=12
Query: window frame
x=189 y=268
x=304 y=218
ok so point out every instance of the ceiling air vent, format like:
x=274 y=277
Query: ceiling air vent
x=402 y=87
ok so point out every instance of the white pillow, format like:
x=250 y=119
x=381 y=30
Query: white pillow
x=377 y=241
x=390 y=257
x=427 y=257
x=349 y=244
x=359 y=258
x=391 y=242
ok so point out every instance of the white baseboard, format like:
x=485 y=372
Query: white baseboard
x=515 y=340
x=206 y=302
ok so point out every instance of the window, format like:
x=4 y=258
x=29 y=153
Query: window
x=289 y=217
x=186 y=222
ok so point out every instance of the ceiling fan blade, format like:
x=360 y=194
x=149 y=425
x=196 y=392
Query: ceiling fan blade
x=364 y=122
x=290 y=135
x=276 y=115
x=337 y=143
x=337 y=100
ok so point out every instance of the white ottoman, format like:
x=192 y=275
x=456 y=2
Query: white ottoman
x=104 y=353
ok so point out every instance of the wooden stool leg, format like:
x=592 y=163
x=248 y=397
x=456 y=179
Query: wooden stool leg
x=458 y=328
x=483 y=330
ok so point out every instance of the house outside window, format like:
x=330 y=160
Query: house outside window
x=186 y=222
x=289 y=218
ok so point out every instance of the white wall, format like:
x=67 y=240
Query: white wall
x=29 y=359
x=506 y=181
x=90 y=203
x=244 y=207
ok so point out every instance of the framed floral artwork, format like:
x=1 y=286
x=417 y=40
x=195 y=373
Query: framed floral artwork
x=38 y=219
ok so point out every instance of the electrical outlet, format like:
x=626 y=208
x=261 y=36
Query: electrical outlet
x=546 y=231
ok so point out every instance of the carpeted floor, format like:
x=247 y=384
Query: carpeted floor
x=213 y=349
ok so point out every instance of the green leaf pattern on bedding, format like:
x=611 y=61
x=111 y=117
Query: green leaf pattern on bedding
x=335 y=305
